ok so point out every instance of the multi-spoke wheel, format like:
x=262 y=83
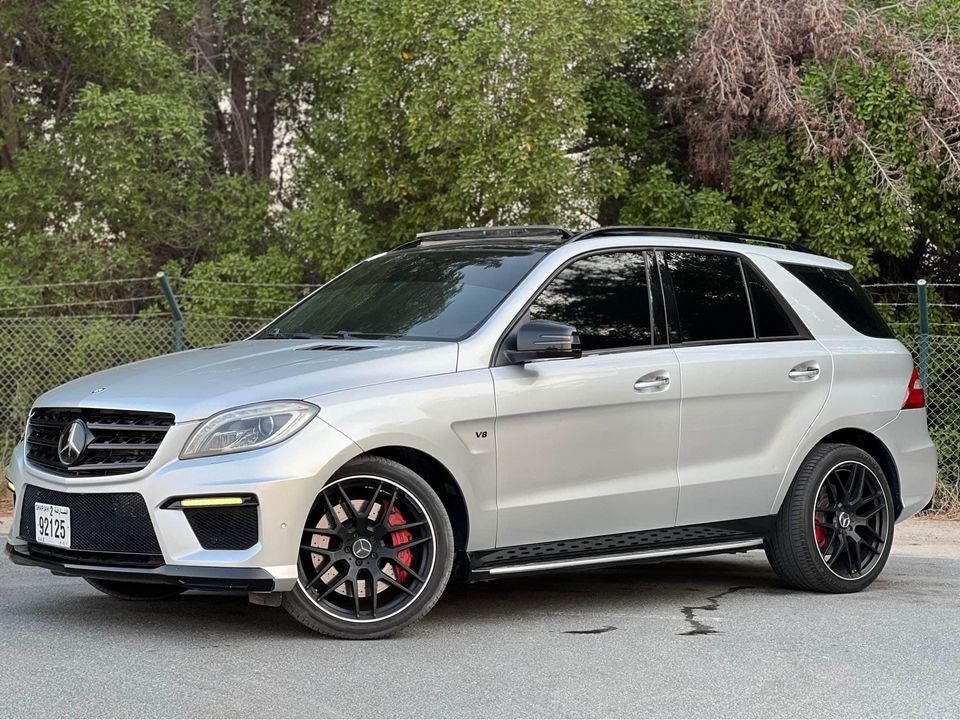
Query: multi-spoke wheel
x=375 y=553
x=835 y=528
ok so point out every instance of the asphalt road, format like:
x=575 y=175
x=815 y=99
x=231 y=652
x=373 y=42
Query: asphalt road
x=714 y=637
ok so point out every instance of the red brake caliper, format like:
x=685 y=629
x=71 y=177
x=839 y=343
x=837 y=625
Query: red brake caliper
x=818 y=531
x=399 y=538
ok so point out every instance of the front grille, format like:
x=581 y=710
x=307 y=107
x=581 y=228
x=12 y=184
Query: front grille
x=225 y=528
x=99 y=522
x=118 y=441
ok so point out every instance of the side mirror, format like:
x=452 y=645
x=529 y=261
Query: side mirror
x=545 y=340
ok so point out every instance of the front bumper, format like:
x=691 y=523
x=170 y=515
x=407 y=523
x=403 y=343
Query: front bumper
x=185 y=576
x=284 y=478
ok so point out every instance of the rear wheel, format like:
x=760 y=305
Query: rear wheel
x=835 y=529
x=375 y=554
x=135 y=591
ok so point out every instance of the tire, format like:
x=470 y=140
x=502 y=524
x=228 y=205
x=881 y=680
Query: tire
x=375 y=555
x=135 y=591
x=834 y=531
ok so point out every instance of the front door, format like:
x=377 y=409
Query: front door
x=588 y=446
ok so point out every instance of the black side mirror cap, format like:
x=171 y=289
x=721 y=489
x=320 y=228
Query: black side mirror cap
x=545 y=340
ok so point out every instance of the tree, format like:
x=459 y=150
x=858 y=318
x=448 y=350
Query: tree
x=443 y=113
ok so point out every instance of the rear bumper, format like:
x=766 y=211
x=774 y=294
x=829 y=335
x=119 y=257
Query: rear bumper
x=201 y=578
x=913 y=452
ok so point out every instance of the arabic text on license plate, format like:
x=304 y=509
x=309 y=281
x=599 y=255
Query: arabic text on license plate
x=52 y=524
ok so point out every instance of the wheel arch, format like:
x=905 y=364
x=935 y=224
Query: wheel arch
x=440 y=479
x=875 y=448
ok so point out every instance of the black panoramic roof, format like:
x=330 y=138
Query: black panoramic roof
x=539 y=235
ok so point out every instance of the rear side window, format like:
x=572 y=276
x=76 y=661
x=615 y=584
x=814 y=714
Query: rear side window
x=846 y=298
x=711 y=296
x=771 y=318
x=606 y=297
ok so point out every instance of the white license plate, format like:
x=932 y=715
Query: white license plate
x=52 y=524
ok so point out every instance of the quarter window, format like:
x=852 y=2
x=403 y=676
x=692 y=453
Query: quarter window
x=606 y=297
x=840 y=291
x=711 y=296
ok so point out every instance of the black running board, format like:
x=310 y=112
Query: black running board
x=634 y=557
x=633 y=547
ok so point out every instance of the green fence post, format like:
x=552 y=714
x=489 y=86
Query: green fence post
x=924 y=333
x=174 y=310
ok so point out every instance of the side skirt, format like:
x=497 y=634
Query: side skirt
x=634 y=547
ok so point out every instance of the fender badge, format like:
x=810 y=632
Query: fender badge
x=98 y=390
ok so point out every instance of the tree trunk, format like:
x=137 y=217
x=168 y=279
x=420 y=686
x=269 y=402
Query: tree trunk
x=9 y=135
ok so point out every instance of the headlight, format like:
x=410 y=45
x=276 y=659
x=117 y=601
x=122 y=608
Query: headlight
x=248 y=428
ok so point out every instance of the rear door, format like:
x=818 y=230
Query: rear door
x=588 y=446
x=753 y=383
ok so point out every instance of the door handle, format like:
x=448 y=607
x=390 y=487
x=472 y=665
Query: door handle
x=805 y=371
x=650 y=384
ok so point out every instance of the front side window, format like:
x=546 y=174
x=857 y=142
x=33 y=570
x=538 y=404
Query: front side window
x=422 y=294
x=711 y=296
x=605 y=297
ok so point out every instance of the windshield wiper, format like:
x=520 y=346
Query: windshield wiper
x=346 y=335
x=291 y=336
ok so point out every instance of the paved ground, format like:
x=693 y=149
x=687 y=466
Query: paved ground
x=715 y=637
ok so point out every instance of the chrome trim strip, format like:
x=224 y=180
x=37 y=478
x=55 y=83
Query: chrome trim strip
x=642 y=555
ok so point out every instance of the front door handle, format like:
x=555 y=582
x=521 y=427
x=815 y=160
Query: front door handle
x=652 y=382
x=805 y=371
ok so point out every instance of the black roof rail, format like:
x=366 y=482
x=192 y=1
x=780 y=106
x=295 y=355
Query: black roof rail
x=720 y=235
x=502 y=232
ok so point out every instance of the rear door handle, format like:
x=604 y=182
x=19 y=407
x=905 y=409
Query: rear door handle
x=805 y=371
x=653 y=382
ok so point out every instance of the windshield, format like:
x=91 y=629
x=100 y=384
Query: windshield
x=423 y=294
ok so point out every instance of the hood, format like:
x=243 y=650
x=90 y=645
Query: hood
x=198 y=383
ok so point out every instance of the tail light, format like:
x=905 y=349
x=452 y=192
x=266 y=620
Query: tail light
x=914 y=398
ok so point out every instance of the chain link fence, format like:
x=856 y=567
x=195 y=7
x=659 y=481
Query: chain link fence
x=39 y=353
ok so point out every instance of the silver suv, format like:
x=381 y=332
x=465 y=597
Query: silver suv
x=489 y=402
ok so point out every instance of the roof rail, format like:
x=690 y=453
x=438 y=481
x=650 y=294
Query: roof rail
x=502 y=232
x=720 y=235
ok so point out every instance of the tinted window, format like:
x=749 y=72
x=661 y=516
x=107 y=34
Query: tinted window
x=427 y=293
x=769 y=314
x=604 y=296
x=711 y=296
x=840 y=291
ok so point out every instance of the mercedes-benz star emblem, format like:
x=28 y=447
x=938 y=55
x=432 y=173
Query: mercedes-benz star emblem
x=362 y=549
x=844 y=519
x=73 y=441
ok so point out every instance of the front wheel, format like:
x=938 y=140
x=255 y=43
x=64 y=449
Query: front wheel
x=835 y=528
x=375 y=554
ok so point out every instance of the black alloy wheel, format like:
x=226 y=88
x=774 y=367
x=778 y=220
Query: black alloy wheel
x=835 y=527
x=375 y=553
x=850 y=520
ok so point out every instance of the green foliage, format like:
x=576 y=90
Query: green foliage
x=237 y=285
x=440 y=113
x=661 y=201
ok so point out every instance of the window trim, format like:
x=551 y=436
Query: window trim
x=658 y=324
x=673 y=309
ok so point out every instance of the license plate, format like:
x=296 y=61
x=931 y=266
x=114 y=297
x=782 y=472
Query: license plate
x=52 y=524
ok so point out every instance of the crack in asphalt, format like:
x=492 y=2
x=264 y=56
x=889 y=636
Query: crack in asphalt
x=699 y=627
